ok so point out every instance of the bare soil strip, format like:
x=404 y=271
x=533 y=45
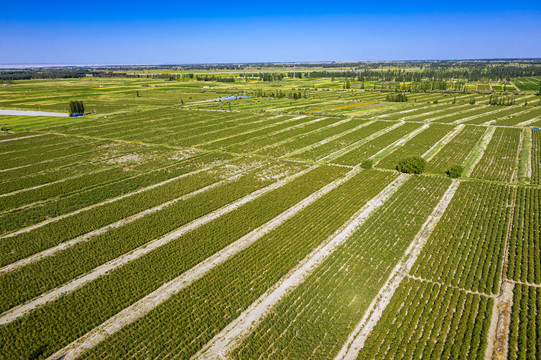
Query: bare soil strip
x=357 y=338
x=498 y=333
x=224 y=342
x=516 y=168
x=20 y=138
x=151 y=301
x=479 y=150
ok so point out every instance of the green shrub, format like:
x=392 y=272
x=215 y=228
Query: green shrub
x=455 y=171
x=411 y=165
x=367 y=164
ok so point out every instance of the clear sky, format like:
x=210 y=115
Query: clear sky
x=156 y=32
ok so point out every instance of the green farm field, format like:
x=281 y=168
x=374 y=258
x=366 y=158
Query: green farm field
x=270 y=219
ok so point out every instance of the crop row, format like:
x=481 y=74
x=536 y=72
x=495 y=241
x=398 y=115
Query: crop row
x=414 y=113
x=281 y=136
x=27 y=243
x=25 y=178
x=316 y=318
x=524 y=263
x=166 y=131
x=29 y=281
x=430 y=321
x=193 y=316
x=311 y=138
x=417 y=145
x=61 y=151
x=50 y=165
x=241 y=138
x=457 y=150
x=500 y=158
x=39 y=143
x=527 y=83
x=88 y=307
x=536 y=157
x=195 y=136
x=467 y=246
x=462 y=114
x=519 y=118
x=116 y=170
x=132 y=121
x=497 y=115
x=524 y=331
x=328 y=148
x=29 y=216
x=370 y=148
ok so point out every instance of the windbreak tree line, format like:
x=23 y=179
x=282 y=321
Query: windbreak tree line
x=76 y=107
x=396 y=97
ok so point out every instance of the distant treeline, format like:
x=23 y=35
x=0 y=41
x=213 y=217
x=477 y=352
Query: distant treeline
x=54 y=73
x=398 y=71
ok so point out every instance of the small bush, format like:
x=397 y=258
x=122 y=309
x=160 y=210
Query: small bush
x=411 y=165
x=455 y=171
x=367 y=164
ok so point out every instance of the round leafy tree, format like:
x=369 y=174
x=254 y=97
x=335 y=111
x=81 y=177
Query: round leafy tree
x=455 y=171
x=367 y=164
x=411 y=165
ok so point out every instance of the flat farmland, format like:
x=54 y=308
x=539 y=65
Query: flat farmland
x=177 y=223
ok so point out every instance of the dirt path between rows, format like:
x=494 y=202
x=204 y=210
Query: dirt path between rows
x=498 y=333
x=481 y=149
x=97 y=232
x=20 y=138
x=224 y=342
x=162 y=294
x=21 y=310
x=362 y=331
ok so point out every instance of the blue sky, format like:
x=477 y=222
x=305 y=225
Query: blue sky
x=138 y=32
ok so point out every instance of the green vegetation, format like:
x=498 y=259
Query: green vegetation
x=236 y=176
x=411 y=165
x=367 y=164
x=76 y=108
x=455 y=171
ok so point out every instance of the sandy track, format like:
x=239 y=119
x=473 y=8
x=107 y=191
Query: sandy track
x=20 y=138
x=357 y=338
x=21 y=310
x=498 y=332
x=151 y=301
x=224 y=342
x=482 y=147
